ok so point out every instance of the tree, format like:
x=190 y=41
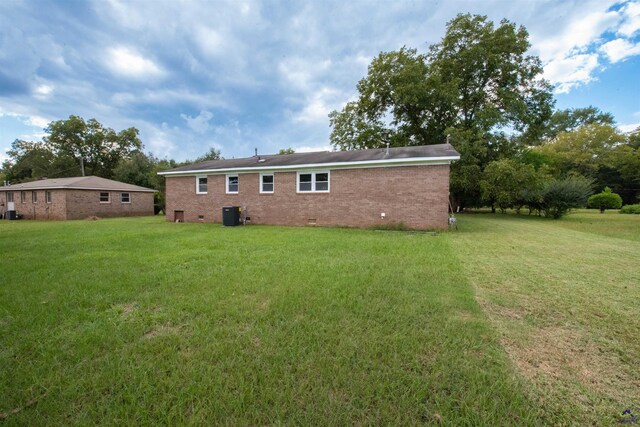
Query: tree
x=605 y=200
x=96 y=149
x=571 y=119
x=137 y=169
x=559 y=196
x=212 y=154
x=506 y=183
x=286 y=151
x=583 y=150
x=477 y=81
x=32 y=160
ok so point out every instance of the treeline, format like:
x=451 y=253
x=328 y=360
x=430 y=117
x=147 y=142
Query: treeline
x=78 y=147
x=478 y=89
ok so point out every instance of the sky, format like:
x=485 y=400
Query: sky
x=241 y=74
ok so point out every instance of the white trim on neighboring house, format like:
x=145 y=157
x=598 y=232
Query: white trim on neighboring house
x=416 y=161
x=226 y=180
x=313 y=181
x=198 y=178
x=108 y=193
x=128 y=202
x=16 y=187
x=273 y=183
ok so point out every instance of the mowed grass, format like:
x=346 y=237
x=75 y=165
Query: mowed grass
x=511 y=320
x=144 y=322
x=564 y=298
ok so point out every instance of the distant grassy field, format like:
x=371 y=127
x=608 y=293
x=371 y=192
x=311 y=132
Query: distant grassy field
x=139 y=321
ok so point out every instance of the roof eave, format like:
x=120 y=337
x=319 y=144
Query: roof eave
x=416 y=161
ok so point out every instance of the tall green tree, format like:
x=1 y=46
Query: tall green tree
x=96 y=149
x=212 y=154
x=505 y=183
x=573 y=118
x=32 y=160
x=472 y=85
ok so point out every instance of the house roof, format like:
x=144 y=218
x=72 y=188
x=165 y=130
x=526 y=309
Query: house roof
x=378 y=157
x=76 y=183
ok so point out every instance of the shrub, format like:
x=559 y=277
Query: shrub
x=631 y=209
x=605 y=200
x=559 y=196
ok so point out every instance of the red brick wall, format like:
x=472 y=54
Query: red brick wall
x=78 y=204
x=40 y=209
x=84 y=203
x=416 y=196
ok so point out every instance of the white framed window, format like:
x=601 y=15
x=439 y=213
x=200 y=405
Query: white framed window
x=313 y=182
x=104 y=197
x=201 y=184
x=233 y=184
x=23 y=197
x=267 y=183
x=47 y=196
x=9 y=196
x=125 y=198
x=34 y=196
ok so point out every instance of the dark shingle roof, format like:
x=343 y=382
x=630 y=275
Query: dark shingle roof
x=434 y=152
x=77 y=183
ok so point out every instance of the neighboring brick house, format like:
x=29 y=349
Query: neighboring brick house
x=361 y=188
x=76 y=198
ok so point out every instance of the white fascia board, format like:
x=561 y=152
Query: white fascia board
x=416 y=161
x=12 y=188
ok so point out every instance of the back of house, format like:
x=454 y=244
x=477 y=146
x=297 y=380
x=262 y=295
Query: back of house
x=406 y=186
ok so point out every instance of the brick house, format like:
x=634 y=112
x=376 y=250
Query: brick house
x=360 y=188
x=76 y=198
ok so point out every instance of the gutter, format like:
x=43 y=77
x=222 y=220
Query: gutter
x=416 y=161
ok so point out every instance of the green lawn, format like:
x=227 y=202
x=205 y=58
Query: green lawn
x=139 y=321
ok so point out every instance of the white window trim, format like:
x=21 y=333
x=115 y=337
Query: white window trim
x=100 y=197
x=231 y=175
x=313 y=181
x=48 y=197
x=198 y=177
x=274 y=183
x=125 y=203
x=34 y=197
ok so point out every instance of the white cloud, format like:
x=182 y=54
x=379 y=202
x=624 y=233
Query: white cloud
x=302 y=73
x=43 y=91
x=29 y=120
x=581 y=30
x=572 y=71
x=620 y=49
x=129 y=63
x=629 y=127
x=631 y=22
x=318 y=106
x=311 y=148
x=200 y=123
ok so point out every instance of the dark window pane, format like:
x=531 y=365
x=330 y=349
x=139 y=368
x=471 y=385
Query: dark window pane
x=322 y=186
x=305 y=177
x=305 y=186
x=233 y=184
x=202 y=185
x=267 y=179
x=322 y=177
